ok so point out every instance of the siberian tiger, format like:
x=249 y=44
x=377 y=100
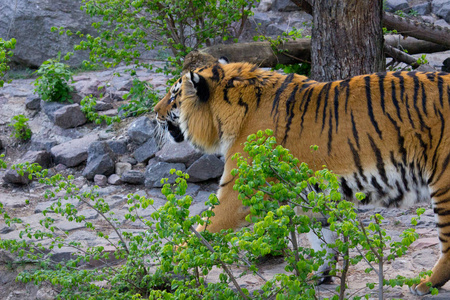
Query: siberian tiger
x=385 y=134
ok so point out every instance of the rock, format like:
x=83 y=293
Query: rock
x=43 y=158
x=88 y=87
x=133 y=177
x=100 y=180
x=29 y=21
x=277 y=29
x=265 y=5
x=154 y=173
x=422 y=8
x=395 y=5
x=38 y=143
x=118 y=146
x=206 y=167
x=441 y=8
x=146 y=150
x=100 y=161
x=101 y=106
x=11 y=176
x=141 y=130
x=121 y=167
x=114 y=179
x=89 y=214
x=443 y=295
x=69 y=116
x=73 y=152
x=178 y=153
x=33 y=102
x=49 y=109
x=284 y=5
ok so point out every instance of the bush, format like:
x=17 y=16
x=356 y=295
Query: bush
x=169 y=259
x=142 y=97
x=88 y=108
x=6 y=48
x=53 y=81
x=21 y=129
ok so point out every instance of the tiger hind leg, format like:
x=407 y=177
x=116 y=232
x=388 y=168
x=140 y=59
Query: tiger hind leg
x=441 y=205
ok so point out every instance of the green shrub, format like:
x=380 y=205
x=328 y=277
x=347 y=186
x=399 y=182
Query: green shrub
x=87 y=107
x=169 y=259
x=142 y=97
x=21 y=129
x=6 y=48
x=53 y=81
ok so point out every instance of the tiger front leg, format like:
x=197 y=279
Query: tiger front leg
x=230 y=213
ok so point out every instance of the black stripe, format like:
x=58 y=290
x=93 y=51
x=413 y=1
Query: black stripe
x=442 y=225
x=401 y=84
x=377 y=186
x=440 y=84
x=444 y=168
x=345 y=84
x=278 y=93
x=395 y=101
x=369 y=106
x=354 y=130
x=434 y=159
x=336 y=107
x=424 y=100
x=357 y=160
x=380 y=161
x=305 y=109
x=358 y=182
x=258 y=96
x=290 y=103
x=243 y=104
x=431 y=76
x=348 y=193
x=442 y=201
x=381 y=77
x=325 y=104
x=400 y=139
x=408 y=109
x=216 y=74
x=330 y=134
x=441 y=211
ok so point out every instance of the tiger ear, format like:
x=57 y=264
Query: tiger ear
x=200 y=85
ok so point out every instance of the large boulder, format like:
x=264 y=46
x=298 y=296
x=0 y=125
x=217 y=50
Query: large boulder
x=100 y=161
x=73 y=152
x=141 y=130
x=206 y=167
x=30 y=22
x=441 y=8
x=155 y=172
x=69 y=116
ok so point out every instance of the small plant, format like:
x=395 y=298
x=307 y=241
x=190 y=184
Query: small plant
x=21 y=129
x=88 y=108
x=53 y=81
x=142 y=98
x=6 y=48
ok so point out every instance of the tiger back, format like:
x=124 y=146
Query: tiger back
x=385 y=134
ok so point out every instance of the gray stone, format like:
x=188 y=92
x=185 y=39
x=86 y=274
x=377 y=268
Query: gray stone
x=74 y=152
x=33 y=102
x=69 y=116
x=395 y=5
x=118 y=146
x=265 y=5
x=277 y=29
x=121 y=167
x=11 y=176
x=284 y=5
x=49 y=109
x=133 y=177
x=89 y=214
x=441 y=8
x=38 y=143
x=114 y=179
x=89 y=87
x=102 y=106
x=43 y=158
x=63 y=254
x=178 y=153
x=100 y=180
x=69 y=226
x=422 y=9
x=146 y=151
x=443 y=295
x=141 y=130
x=154 y=173
x=205 y=168
x=29 y=21
x=100 y=165
x=41 y=206
x=101 y=160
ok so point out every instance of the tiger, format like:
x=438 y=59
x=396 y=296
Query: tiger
x=385 y=134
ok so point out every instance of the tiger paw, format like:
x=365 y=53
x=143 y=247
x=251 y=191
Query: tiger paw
x=420 y=289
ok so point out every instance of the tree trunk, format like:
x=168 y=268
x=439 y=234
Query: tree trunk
x=347 y=39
